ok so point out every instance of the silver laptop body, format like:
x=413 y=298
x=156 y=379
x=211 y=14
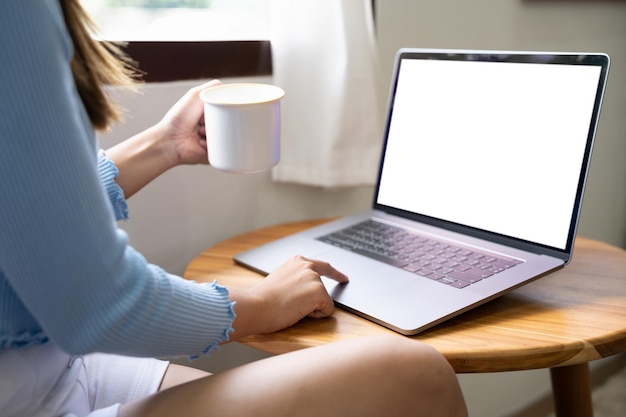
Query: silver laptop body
x=483 y=167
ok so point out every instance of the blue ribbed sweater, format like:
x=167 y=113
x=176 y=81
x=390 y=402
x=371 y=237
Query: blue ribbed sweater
x=67 y=273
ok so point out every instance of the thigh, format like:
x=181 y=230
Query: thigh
x=391 y=376
x=179 y=374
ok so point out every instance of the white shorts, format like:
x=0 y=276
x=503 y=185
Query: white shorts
x=43 y=381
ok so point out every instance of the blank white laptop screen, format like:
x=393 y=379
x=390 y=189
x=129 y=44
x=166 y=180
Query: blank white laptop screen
x=516 y=131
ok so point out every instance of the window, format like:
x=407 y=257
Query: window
x=189 y=39
x=181 y=20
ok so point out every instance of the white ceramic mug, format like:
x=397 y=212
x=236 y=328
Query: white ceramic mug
x=242 y=123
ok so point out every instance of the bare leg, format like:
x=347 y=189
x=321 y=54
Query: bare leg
x=381 y=376
x=179 y=374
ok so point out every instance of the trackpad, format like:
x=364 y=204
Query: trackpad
x=369 y=279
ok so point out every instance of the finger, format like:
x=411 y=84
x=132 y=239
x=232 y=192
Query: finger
x=325 y=307
x=327 y=270
x=201 y=131
x=197 y=89
x=192 y=96
x=319 y=314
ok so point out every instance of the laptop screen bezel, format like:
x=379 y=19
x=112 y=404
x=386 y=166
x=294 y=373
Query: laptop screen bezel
x=600 y=60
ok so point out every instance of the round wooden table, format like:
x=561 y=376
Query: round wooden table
x=561 y=321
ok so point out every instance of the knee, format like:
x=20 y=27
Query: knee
x=413 y=359
x=401 y=350
x=423 y=374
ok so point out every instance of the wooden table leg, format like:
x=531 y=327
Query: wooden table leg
x=571 y=389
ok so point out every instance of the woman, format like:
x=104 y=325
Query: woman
x=81 y=312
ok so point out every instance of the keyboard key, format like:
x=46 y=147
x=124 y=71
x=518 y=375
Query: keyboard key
x=464 y=276
x=459 y=284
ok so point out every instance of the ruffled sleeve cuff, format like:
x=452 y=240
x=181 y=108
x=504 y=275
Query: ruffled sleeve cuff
x=222 y=315
x=108 y=172
x=228 y=313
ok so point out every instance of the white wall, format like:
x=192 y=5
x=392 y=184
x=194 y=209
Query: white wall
x=190 y=208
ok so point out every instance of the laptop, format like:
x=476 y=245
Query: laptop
x=479 y=188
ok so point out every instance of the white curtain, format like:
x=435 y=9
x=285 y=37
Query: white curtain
x=324 y=57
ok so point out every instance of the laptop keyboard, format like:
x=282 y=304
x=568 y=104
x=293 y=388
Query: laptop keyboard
x=438 y=260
